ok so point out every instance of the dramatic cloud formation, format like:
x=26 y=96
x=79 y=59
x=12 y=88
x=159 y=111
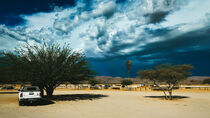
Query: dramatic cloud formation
x=147 y=32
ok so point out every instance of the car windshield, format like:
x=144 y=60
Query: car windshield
x=31 y=88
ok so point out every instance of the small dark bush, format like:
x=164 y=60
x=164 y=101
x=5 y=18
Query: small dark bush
x=93 y=82
x=126 y=82
x=206 y=81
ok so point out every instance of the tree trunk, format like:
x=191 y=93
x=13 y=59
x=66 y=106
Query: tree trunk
x=166 y=96
x=42 y=92
x=170 y=94
x=49 y=92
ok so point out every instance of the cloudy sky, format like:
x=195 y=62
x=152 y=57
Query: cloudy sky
x=110 y=32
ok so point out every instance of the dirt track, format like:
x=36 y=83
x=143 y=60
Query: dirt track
x=110 y=104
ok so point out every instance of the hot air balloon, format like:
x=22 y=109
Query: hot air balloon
x=128 y=65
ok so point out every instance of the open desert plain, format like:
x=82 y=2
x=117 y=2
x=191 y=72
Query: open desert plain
x=109 y=104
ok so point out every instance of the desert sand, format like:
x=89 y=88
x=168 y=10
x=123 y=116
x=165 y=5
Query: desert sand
x=110 y=104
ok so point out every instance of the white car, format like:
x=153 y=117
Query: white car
x=29 y=94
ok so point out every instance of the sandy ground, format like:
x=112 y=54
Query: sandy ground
x=117 y=104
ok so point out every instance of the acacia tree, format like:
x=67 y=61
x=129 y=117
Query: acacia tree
x=48 y=66
x=167 y=74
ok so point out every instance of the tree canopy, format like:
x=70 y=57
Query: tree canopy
x=4 y=71
x=167 y=74
x=48 y=66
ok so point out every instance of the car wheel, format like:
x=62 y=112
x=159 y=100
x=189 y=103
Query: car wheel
x=21 y=103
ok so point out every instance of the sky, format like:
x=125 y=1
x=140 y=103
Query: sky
x=111 y=32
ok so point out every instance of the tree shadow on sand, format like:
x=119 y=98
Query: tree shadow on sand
x=175 y=97
x=41 y=102
x=65 y=97
x=76 y=97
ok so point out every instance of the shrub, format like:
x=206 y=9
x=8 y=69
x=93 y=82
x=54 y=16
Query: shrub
x=206 y=81
x=126 y=82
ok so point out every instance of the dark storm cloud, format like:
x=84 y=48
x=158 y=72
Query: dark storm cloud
x=190 y=47
x=121 y=1
x=10 y=10
x=162 y=9
x=184 y=43
x=157 y=16
x=193 y=40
